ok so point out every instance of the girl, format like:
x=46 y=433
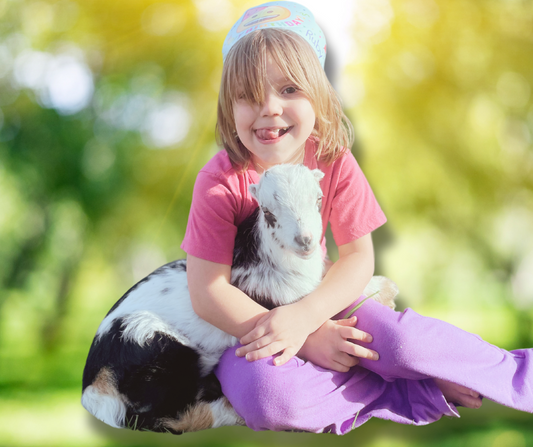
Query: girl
x=277 y=106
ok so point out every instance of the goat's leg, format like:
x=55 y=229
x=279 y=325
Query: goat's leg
x=201 y=416
x=383 y=290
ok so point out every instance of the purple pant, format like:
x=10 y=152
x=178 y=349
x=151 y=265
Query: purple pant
x=399 y=386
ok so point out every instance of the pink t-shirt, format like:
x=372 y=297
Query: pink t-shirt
x=221 y=201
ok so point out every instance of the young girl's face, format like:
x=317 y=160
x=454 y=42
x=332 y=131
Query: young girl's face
x=276 y=130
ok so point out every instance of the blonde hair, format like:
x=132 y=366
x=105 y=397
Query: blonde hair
x=245 y=73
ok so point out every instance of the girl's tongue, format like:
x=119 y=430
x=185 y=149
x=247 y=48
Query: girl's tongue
x=269 y=134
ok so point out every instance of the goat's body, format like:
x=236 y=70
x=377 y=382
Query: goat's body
x=152 y=359
x=151 y=362
x=150 y=366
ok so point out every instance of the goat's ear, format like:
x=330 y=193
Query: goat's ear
x=253 y=191
x=319 y=175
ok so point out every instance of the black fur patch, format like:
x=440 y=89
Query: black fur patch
x=245 y=255
x=246 y=242
x=265 y=301
x=160 y=379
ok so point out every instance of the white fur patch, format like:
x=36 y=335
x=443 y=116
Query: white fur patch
x=224 y=414
x=142 y=326
x=147 y=310
x=383 y=290
x=109 y=408
x=291 y=195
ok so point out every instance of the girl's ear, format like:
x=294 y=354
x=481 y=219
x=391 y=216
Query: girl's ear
x=318 y=174
x=253 y=191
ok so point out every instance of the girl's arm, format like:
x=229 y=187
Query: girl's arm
x=216 y=301
x=286 y=328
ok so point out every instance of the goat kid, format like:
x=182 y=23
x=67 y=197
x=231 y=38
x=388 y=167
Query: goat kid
x=150 y=366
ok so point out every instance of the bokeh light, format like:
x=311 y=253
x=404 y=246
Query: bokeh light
x=108 y=111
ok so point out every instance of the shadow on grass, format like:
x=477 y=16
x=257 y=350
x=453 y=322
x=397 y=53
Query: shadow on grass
x=491 y=426
x=55 y=418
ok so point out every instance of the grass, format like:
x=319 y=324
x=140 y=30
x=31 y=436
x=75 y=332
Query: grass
x=352 y=311
x=56 y=418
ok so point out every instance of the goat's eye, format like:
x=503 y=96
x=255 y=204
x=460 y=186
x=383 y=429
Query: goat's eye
x=269 y=217
x=319 y=203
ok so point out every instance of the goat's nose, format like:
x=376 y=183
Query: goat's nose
x=303 y=241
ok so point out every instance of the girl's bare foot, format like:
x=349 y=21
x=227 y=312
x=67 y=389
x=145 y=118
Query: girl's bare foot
x=458 y=394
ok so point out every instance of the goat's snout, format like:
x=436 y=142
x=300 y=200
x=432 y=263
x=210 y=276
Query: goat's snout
x=304 y=241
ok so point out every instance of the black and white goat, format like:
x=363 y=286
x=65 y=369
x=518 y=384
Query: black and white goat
x=150 y=366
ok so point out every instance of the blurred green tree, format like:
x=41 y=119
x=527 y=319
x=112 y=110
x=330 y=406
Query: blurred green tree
x=107 y=111
x=445 y=123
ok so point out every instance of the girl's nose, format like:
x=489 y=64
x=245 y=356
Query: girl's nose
x=272 y=105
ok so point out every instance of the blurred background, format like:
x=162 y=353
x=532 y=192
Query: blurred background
x=107 y=112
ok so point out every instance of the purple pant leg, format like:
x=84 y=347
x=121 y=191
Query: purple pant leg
x=302 y=396
x=415 y=347
x=398 y=387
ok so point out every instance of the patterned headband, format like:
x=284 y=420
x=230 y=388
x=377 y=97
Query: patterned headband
x=281 y=14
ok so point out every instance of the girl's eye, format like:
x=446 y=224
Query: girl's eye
x=290 y=90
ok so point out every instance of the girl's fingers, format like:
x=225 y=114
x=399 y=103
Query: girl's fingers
x=347 y=322
x=253 y=346
x=346 y=360
x=343 y=363
x=253 y=335
x=358 y=351
x=288 y=354
x=355 y=334
x=266 y=351
x=339 y=367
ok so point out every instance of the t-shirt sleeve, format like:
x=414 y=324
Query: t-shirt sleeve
x=355 y=210
x=211 y=228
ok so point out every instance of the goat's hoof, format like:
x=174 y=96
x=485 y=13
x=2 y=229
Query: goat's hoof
x=385 y=290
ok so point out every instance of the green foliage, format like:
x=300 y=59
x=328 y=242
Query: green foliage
x=445 y=125
x=95 y=192
x=94 y=184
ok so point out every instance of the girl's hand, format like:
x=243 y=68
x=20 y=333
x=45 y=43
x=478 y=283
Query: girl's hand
x=284 y=329
x=329 y=347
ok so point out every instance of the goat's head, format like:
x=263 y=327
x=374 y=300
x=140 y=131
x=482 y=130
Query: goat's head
x=290 y=199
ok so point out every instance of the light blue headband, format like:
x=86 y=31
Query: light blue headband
x=284 y=15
